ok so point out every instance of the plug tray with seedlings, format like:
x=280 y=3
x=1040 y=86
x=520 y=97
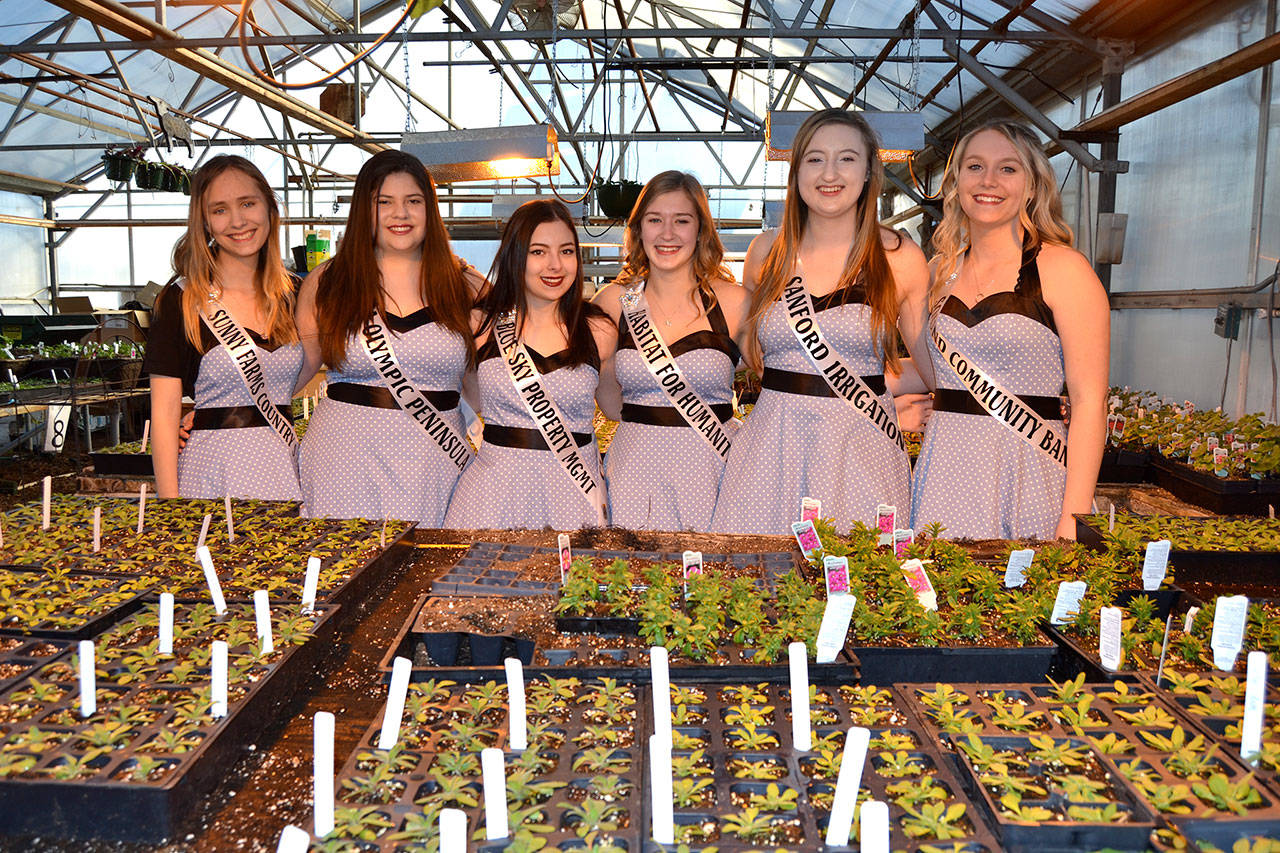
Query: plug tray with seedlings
x=576 y=783
x=1203 y=550
x=64 y=604
x=1220 y=495
x=123 y=460
x=136 y=768
x=1143 y=616
x=22 y=657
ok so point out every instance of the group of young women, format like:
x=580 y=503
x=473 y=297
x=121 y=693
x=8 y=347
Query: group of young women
x=1005 y=316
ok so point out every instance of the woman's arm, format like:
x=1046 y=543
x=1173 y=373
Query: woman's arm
x=1083 y=317
x=308 y=330
x=608 y=391
x=911 y=280
x=166 y=411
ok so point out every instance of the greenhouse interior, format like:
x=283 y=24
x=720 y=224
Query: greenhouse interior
x=756 y=425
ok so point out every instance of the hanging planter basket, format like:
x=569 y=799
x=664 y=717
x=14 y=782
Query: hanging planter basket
x=184 y=181
x=170 y=180
x=149 y=176
x=119 y=166
x=617 y=198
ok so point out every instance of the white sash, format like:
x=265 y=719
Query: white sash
x=546 y=415
x=377 y=345
x=666 y=371
x=995 y=399
x=244 y=355
x=845 y=382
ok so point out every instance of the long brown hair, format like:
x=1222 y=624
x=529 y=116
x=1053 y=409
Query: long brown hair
x=350 y=288
x=1041 y=215
x=195 y=257
x=708 y=256
x=507 y=275
x=867 y=258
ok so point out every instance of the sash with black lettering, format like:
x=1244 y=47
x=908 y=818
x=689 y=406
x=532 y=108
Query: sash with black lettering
x=994 y=398
x=244 y=355
x=377 y=345
x=546 y=415
x=845 y=382
x=666 y=372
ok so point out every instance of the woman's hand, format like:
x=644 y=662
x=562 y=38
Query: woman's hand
x=914 y=411
x=1066 y=527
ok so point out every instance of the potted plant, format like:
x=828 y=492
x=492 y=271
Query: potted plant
x=616 y=198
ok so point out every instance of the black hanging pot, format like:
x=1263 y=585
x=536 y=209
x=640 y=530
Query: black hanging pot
x=170 y=182
x=119 y=166
x=617 y=198
x=184 y=181
x=148 y=176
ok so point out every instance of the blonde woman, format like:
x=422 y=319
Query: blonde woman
x=678 y=313
x=831 y=288
x=1017 y=314
x=223 y=333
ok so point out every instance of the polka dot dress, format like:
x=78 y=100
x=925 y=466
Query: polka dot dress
x=975 y=476
x=795 y=445
x=513 y=487
x=366 y=462
x=667 y=477
x=245 y=462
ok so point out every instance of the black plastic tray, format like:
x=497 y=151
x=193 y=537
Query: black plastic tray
x=887 y=665
x=1187 y=566
x=92 y=625
x=1125 y=466
x=1215 y=494
x=122 y=464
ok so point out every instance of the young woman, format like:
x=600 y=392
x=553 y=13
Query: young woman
x=1015 y=307
x=830 y=286
x=540 y=352
x=390 y=315
x=678 y=312
x=223 y=333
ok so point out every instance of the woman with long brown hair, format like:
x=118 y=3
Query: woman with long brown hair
x=1017 y=315
x=830 y=289
x=540 y=353
x=223 y=333
x=390 y=315
x=678 y=312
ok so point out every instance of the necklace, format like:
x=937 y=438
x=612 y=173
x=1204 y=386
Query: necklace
x=666 y=320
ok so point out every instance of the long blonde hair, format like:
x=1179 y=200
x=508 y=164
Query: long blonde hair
x=708 y=257
x=1041 y=215
x=195 y=257
x=867 y=258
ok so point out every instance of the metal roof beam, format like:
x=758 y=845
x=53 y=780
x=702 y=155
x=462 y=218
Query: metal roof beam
x=908 y=20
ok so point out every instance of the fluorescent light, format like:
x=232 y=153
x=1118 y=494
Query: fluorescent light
x=487 y=153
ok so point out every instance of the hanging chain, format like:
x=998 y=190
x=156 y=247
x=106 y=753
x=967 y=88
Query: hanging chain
x=915 y=58
x=551 y=69
x=764 y=180
x=409 y=121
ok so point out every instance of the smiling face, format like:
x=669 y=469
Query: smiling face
x=236 y=214
x=992 y=182
x=832 y=172
x=400 y=214
x=669 y=231
x=551 y=263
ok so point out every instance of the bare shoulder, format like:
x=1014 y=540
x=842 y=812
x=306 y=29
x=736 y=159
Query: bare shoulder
x=477 y=284
x=1066 y=276
x=730 y=294
x=606 y=335
x=606 y=299
x=910 y=269
x=760 y=245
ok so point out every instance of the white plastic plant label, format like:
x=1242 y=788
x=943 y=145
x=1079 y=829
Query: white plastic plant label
x=1109 y=633
x=662 y=804
x=495 y=793
x=1111 y=518
x=836 y=571
x=660 y=664
x=1190 y=619
x=1066 y=605
x=886 y=522
x=146 y=433
x=453 y=831
x=394 y=713
x=806 y=537
x=1155 y=564
x=835 y=626
x=46 y=486
x=142 y=507
x=211 y=578
x=810 y=509
x=322 y=772
x=97 y=529
x=801 y=734
x=566 y=556
x=310 y=581
x=1229 y=617
x=918 y=580
x=262 y=616
x=88 y=679
x=231 y=525
x=873 y=827
x=204 y=529
x=1255 y=696
x=849 y=779
x=57 y=421
x=293 y=839
x=1015 y=574
x=165 y=643
x=218 y=680
x=517 y=718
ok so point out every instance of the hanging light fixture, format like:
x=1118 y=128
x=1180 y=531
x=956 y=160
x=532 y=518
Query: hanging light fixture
x=488 y=153
x=901 y=133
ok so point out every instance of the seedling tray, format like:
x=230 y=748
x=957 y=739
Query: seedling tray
x=1216 y=494
x=91 y=604
x=1262 y=567
x=122 y=464
x=887 y=665
x=22 y=657
x=1077 y=657
x=441 y=735
x=1124 y=466
x=160 y=715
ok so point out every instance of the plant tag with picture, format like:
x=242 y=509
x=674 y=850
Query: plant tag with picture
x=1255 y=695
x=662 y=805
x=902 y=539
x=852 y=761
x=1211 y=441
x=322 y=771
x=918 y=580
x=1067 y=603
x=1221 y=458
x=660 y=667
x=310 y=581
x=692 y=563
x=836 y=570
x=495 y=793
x=211 y=578
x=1015 y=574
x=886 y=522
x=566 y=556
x=218 y=680
x=1229 y=616
x=798 y=660
x=1155 y=564
x=88 y=679
x=873 y=827
x=1189 y=619
x=1109 y=645
x=394 y=713
x=517 y=718
x=810 y=509
x=806 y=537
x=262 y=616
x=835 y=626
x=1117 y=427
x=453 y=831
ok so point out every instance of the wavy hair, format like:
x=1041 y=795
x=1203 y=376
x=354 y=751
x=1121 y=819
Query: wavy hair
x=708 y=256
x=867 y=259
x=1041 y=215
x=350 y=288
x=195 y=257
x=508 y=290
